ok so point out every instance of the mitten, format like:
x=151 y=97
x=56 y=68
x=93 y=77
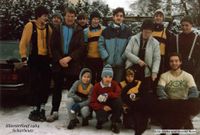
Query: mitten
x=132 y=96
x=102 y=97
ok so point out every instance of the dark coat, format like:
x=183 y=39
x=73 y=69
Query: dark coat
x=77 y=51
x=126 y=97
x=191 y=66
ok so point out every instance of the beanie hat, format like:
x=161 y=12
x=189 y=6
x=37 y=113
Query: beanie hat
x=107 y=71
x=159 y=11
x=40 y=10
x=57 y=15
x=147 y=24
x=187 y=18
x=95 y=14
x=83 y=71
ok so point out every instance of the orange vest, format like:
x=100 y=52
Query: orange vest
x=132 y=90
x=84 y=91
x=93 y=37
x=161 y=34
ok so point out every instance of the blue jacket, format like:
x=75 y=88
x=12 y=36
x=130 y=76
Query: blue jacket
x=112 y=44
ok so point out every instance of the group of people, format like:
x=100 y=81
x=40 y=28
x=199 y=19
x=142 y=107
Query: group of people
x=109 y=70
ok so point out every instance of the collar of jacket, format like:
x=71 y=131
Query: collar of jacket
x=94 y=28
x=70 y=26
x=187 y=34
x=139 y=35
x=158 y=27
x=79 y=27
x=104 y=86
x=122 y=26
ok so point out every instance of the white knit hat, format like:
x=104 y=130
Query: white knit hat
x=160 y=11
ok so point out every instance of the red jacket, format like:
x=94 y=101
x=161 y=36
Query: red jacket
x=113 y=92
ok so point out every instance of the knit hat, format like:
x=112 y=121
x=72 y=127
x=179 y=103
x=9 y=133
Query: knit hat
x=187 y=18
x=147 y=24
x=107 y=71
x=83 y=71
x=159 y=11
x=56 y=14
x=95 y=14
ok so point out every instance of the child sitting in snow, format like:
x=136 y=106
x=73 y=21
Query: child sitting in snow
x=105 y=100
x=129 y=94
x=79 y=95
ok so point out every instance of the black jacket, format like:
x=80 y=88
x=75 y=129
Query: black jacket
x=77 y=51
x=126 y=97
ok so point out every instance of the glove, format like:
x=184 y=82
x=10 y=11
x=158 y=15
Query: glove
x=75 y=108
x=132 y=96
x=103 y=97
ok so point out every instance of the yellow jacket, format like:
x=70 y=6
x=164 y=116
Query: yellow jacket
x=41 y=39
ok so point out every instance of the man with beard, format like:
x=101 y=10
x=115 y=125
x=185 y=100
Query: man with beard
x=187 y=43
x=178 y=96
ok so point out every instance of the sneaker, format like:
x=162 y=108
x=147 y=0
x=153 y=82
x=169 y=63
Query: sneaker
x=115 y=128
x=72 y=124
x=53 y=117
x=85 y=122
x=34 y=115
x=99 y=125
x=42 y=115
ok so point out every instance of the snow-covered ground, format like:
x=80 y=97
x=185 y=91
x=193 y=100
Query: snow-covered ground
x=14 y=121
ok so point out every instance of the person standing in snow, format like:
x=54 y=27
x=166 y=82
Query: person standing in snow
x=37 y=34
x=113 y=42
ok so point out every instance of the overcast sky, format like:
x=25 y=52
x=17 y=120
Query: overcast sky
x=118 y=3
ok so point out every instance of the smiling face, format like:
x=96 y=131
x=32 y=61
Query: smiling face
x=69 y=18
x=82 y=21
x=118 y=18
x=43 y=19
x=95 y=22
x=56 y=20
x=186 y=27
x=86 y=78
x=158 y=18
x=175 y=63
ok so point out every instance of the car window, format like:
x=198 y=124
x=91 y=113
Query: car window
x=9 y=50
